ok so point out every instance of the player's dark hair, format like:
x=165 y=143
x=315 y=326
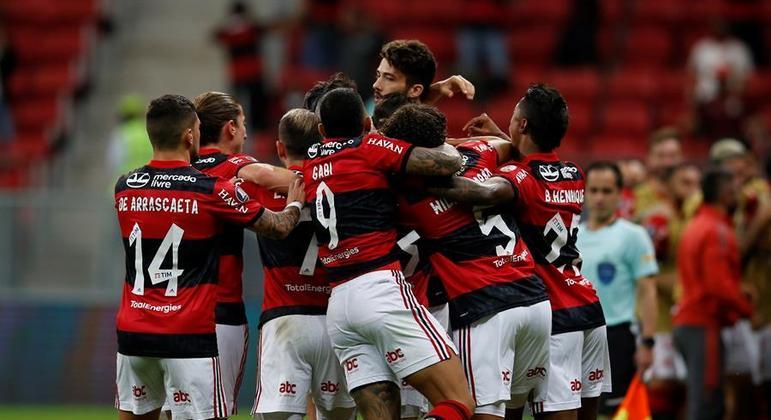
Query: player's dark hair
x=712 y=184
x=342 y=112
x=337 y=80
x=214 y=110
x=664 y=133
x=297 y=130
x=421 y=125
x=387 y=107
x=167 y=118
x=547 y=116
x=670 y=171
x=606 y=165
x=414 y=59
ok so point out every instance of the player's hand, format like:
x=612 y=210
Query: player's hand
x=483 y=125
x=447 y=88
x=643 y=358
x=296 y=191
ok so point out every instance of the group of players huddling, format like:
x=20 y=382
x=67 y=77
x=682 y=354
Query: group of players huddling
x=405 y=274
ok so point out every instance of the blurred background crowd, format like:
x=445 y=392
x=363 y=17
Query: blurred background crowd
x=663 y=87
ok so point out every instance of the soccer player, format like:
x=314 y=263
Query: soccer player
x=619 y=259
x=314 y=94
x=546 y=195
x=379 y=332
x=169 y=215
x=295 y=358
x=499 y=309
x=409 y=67
x=223 y=131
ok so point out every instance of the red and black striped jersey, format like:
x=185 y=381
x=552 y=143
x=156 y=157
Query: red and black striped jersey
x=352 y=207
x=230 y=306
x=170 y=216
x=549 y=196
x=478 y=254
x=294 y=283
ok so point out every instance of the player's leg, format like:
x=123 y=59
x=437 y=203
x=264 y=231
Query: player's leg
x=702 y=350
x=328 y=386
x=595 y=371
x=414 y=404
x=283 y=373
x=140 y=387
x=742 y=358
x=232 y=342
x=194 y=388
x=559 y=397
x=531 y=356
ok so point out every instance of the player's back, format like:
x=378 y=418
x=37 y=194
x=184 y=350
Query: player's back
x=478 y=254
x=169 y=215
x=230 y=308
x=548 y=211
x=294 y=283
x=352 y=207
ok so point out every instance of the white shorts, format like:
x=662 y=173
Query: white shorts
x=742 y=350
x=193 y=385
x=579 y=367
x=295 y=360
x=380 y=332
x=414 y=404
x=232 y=345
x=505 y=354
x=764 y=339
x=668 y=363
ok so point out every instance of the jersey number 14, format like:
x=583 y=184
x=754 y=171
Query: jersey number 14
x=157 y=275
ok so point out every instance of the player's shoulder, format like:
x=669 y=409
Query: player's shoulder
x=241 y=159
x=477 y=145
x=332 y=147
x=379 y=141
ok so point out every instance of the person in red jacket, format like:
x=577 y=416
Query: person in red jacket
x=710 y=271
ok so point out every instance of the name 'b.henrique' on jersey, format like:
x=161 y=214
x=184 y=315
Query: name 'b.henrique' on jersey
x=351 y=204
x=230 y=306
x=294 y=282
x=479 y=255
x=169 y=215
x=550 y=194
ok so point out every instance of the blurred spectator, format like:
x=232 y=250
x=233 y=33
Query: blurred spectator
x=619 y=259
x=360 y=48
x=129 y=146
x=723 y=116
x=321 y=45
x=7 y=67
x=634 y=173
x=578 y=44
x=742 y=346
x=665 y=221
x=719 y=57
x=279 y=18
x=664 y=151
x=239 y=35
x=710 y=272
x=483 y=56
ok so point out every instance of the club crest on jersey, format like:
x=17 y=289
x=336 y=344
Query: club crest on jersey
x=241 y=194
x=313 y=151
x=549 y=172
x=138 y=179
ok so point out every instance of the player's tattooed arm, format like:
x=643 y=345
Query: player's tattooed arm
x=269 y=176
x=380 y=400
x=278 y=225
x=438 y=161
x=495 y=190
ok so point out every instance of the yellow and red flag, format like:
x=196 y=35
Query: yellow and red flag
x=635 y=405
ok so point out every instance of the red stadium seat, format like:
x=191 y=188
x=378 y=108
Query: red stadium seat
x=458 y=112
x=608 y=146
x=425 y=12
x=551 y=12
x=630 y=118
x=524 y=76
x=670 y=86
x=611 y=10
x=657 y=11
x=631 y=84
x=576 y=84
x=647 y=47
x=385 y=13
x=581 y=122
x=61 y=44
x=533 y=46
x=35 y=113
